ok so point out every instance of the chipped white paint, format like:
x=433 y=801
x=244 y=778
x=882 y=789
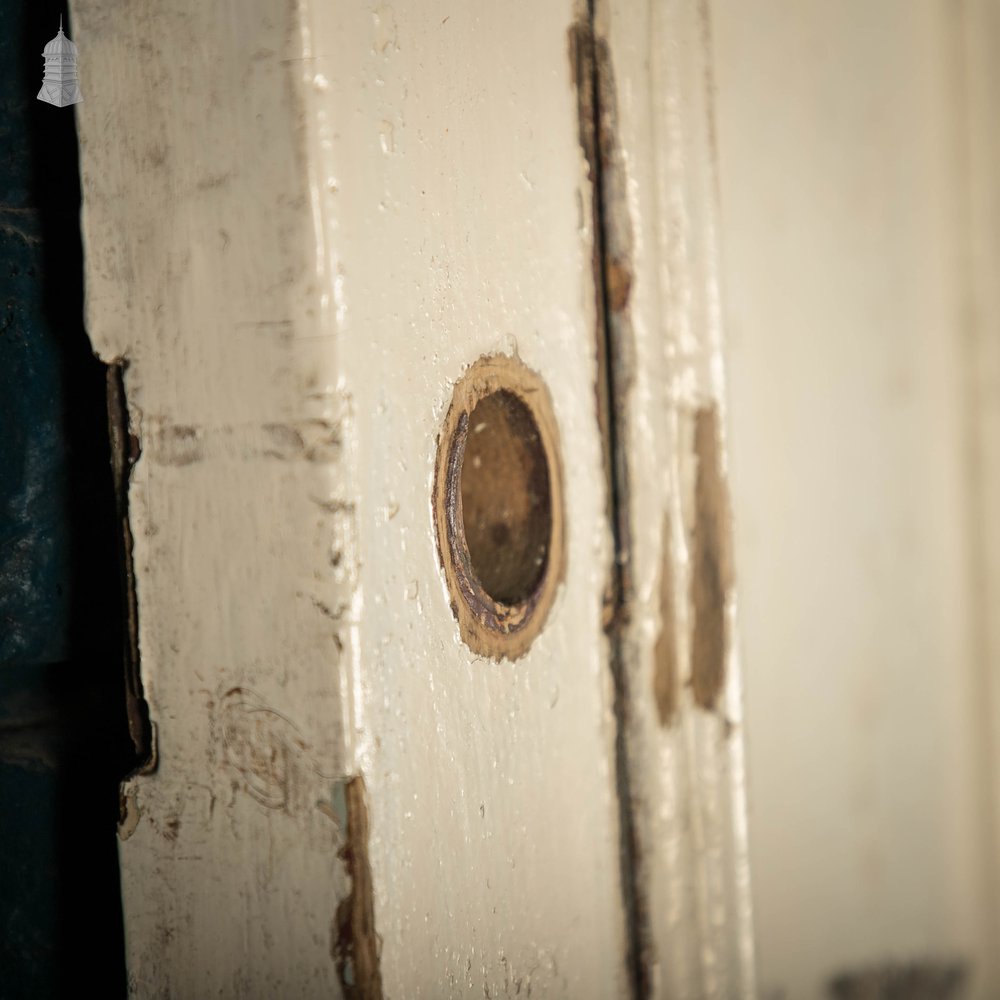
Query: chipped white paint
x=447 y=191
x=314 y=219
x=200 y=273
x=687 y=773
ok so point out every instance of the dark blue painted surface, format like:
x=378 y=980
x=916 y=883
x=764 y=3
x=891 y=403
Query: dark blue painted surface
x=28 y=879
x=34 y=537
x=64 y=744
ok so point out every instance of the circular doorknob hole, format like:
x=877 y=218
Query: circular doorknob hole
x=498 y=506
x=506 y=503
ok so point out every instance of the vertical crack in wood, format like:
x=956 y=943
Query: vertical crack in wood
x=357 y=947
x=593 y=78
x=125 y=451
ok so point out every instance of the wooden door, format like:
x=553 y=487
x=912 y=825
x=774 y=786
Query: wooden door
x=415 y=337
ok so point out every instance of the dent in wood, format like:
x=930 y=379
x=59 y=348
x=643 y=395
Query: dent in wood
x=356 y=947
x=267 y=750
x=711 y=572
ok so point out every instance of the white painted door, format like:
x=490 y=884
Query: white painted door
x=420 y=314
x=417 y=328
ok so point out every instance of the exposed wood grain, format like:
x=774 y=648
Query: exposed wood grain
x=357 y=946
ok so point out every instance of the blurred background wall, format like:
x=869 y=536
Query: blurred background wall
x=859 y=232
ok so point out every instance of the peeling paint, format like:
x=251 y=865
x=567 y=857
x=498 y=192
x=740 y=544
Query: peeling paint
x=711 y=563
x=618 y=282
x=665 y=651
x=243 y=344
x=125 y=452
x=130 y=813
x=356 y=947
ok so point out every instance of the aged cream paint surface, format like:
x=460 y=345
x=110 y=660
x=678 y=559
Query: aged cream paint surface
x=982 y=377
x=449 y=188
x=302 y=223
x=842 y=147
x=686 y=771
x=201 y=274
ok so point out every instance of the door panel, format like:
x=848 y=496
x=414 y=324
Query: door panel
x=679 y=643
x=311 y=222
